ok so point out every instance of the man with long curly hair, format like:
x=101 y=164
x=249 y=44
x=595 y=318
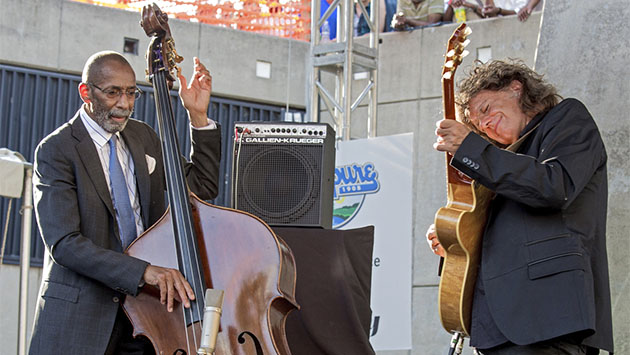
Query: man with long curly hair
x=542 y=284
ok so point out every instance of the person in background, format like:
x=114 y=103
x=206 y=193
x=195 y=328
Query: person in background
x=332 y=19
x=523 y=8
x=386 y=11
x=542 y=284
x=417 y=13
x=532 y=5
x=473 y=10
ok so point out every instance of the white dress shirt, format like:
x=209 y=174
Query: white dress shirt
x=100 y=137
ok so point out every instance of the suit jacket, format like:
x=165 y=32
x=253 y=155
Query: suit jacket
x=86 y=275
x=544 y=264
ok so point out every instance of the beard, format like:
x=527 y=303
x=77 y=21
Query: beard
x=103 y=117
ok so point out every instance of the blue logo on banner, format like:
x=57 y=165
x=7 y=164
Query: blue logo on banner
x=352 y=183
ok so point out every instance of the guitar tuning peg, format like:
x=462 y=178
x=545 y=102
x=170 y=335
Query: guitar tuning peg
x=465 y=53
x=450 y=53
x=448 y=75
x=448 y=64
x=465 y=43
x=467 y=31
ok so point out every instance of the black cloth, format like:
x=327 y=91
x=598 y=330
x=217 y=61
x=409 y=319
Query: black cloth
x=544 y=266
x=122 y=341
x=85 y=272
x=552 y=347
x=334 y=272
x=486 y=333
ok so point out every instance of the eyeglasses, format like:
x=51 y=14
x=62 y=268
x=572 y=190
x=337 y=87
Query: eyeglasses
x=115 y=93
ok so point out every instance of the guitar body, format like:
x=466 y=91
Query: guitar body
x=459 y=228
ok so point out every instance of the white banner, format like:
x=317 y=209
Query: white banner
x=373 y=186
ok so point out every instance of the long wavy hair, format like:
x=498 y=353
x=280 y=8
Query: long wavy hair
x=537 y=95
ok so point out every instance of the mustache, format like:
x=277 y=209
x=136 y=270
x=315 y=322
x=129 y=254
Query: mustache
x=119 y=113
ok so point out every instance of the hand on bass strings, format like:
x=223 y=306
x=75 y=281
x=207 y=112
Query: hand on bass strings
x=195 y=94
x=434 y=244
x=450 y=135
x=172 y=285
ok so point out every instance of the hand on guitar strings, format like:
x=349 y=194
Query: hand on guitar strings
x=196 y=94
x=172 y=285
x=434 y=244
x=450 y=135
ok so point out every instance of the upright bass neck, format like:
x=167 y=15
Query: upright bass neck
x=162 y=63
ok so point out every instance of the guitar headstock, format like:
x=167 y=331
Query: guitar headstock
x=455 y=51
x=161 y=54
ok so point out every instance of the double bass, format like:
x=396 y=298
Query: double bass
x=213 y=247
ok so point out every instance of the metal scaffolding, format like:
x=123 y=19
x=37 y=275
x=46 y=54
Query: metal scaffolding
x=343 y=57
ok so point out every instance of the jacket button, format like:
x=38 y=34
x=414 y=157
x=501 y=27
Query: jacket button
x=115 y=299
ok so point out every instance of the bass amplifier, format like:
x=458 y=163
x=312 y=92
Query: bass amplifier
x=284 y=172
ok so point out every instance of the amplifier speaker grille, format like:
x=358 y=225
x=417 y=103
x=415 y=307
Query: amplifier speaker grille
x=285 y=183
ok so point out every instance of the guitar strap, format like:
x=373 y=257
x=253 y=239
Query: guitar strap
x=514 y=146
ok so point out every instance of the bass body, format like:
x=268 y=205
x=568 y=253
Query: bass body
x=260 y=283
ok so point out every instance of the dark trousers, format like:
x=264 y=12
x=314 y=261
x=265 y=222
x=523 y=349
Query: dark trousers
x=122 y=341
x=551 y=347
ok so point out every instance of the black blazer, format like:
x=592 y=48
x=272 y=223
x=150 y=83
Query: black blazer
x=544 y=262
x=86 y=274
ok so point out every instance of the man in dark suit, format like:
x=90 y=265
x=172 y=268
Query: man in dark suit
x=542 y=286
x=78 y=207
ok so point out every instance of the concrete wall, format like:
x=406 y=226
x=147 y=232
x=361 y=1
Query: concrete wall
x=10 y=305
x=587 y=62
x=60 y=35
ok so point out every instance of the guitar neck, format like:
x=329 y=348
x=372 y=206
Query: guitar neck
x=448 y=99
x=454 y=54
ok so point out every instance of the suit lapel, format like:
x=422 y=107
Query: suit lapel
x=143 y=181
x=91 y=161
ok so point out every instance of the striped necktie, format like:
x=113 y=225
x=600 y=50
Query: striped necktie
x=124 y=212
